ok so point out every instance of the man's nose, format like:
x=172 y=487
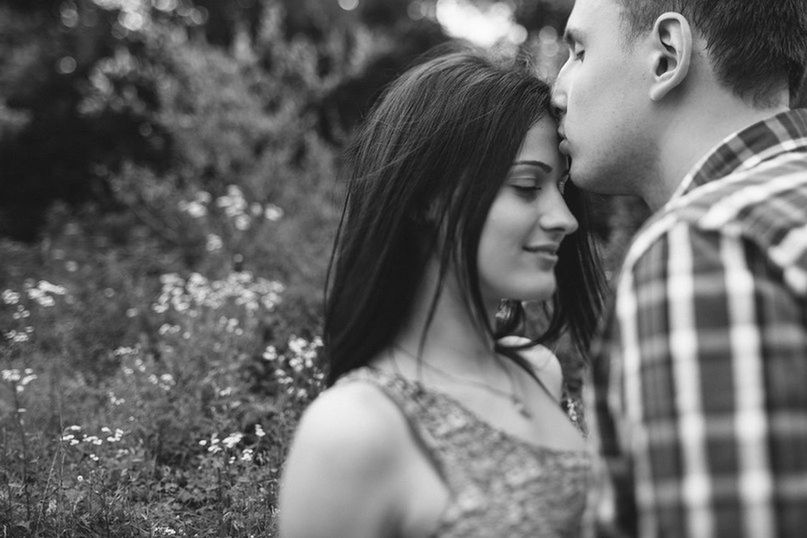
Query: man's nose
x=559 y=94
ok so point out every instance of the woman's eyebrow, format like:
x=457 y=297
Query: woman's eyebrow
x=540 y=164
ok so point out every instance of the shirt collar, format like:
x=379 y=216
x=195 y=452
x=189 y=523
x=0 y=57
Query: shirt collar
x=747 y=148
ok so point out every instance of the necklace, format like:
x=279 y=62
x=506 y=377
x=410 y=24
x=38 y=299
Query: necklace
x=511 y=395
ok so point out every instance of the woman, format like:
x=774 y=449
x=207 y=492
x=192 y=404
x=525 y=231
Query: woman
x=436 y=425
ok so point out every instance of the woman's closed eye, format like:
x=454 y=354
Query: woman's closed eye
x=527 y=188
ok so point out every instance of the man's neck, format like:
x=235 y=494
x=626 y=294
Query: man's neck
x=694 y=132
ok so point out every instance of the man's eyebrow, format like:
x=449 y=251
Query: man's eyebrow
x=571 y=36
x=540 y=164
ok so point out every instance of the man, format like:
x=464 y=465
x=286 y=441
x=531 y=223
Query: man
x=702 y=373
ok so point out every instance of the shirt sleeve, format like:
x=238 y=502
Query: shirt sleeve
x=706 y=390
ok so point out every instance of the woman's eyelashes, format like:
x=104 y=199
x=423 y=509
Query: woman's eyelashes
x=527 y=188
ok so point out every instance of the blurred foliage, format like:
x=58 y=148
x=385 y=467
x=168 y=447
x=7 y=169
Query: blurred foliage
x=59 y=60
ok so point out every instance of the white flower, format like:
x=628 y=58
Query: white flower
x=17 y=336
x=11 y=376
x=273 y=212
x=47 y=287
x=10 y=297
x=259 y=431
x=232 y=439
x=270 y=354
x=195 y=209
x=214 y=243
x=242 y=222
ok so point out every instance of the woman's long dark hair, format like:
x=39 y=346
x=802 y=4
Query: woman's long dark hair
x=432 y=156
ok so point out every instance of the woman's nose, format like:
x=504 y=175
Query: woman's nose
x=557 y=217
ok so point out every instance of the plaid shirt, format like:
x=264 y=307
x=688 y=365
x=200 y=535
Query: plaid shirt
x=701 y=377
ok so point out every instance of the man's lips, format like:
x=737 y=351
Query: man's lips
x=563 y=146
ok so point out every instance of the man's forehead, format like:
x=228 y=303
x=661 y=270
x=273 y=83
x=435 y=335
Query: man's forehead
x=588 y=13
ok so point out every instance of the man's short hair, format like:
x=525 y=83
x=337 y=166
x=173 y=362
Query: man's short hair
x=753 y=44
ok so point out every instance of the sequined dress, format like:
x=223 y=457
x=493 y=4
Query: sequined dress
x=500 y=486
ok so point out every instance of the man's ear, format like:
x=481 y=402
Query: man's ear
x=671 y=44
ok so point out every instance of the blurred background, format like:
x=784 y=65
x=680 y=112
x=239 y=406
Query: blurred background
x=168 y=195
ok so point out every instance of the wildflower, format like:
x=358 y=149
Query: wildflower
x=213 y=243
x=232 y=439
x=11 y=376
x=17 y=337
x=21 y=313
x=242 y=222
x=123 y=350
x=167 y=328
x=47 y=287
x=194 y=208
x=247 y=455
x=10 y=297
x=273 y=212
x=259 y=431
x=29 y=376
x=270 y=354
x=80 y=478
x=166 y=382
x=93 y=457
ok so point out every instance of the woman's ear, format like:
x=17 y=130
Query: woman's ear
x=671 y=43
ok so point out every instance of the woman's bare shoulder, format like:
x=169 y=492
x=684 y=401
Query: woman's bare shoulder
x=354 y=418
x=346 y=458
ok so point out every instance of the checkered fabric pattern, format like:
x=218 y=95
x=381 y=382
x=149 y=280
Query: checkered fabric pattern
x=701 y=373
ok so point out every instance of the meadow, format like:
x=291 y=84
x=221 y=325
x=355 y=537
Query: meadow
x=160 y=337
